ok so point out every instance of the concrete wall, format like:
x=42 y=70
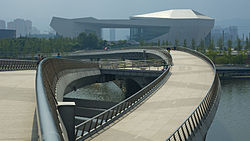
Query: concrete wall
x=69 y=76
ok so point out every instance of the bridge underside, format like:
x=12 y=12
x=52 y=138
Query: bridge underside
x=130 y=81
x=164 y=112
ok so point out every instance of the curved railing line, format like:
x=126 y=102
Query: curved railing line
x=47 y=77
x=87 y=128
x=46 y=124
x=50 y=124
x=200 y=113
x=103 y=119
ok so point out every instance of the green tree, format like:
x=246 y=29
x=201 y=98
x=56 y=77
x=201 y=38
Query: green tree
x=185 y=43
x=163 y=43
x=176 y=43
x=220 y=44
x=158 y=43
x=193 y=44
x=211 y=54
x=82 y=40
x=167 y=43
x=202 y=46
x=211 y=45
x=142 y=43
x=247 y=44
x=238 y=47
x=92 y=41
x=229 y=51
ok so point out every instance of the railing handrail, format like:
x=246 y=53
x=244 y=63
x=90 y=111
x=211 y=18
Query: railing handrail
x=46 y=122
x=50 y=125
x=125 y=100
x=46 y=79
x=121 y=108
x=201 y=105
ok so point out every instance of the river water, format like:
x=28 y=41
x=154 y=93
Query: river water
x=231 y=122
x=108 y=91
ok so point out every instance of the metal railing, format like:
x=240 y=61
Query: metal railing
x=98 y=122
x=87 y=128
x=12 y=65
x=50 y=125
x=190 y=126
x=133 y=64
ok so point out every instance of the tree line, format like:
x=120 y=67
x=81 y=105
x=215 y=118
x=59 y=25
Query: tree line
x=231 y=52
x=24 y=47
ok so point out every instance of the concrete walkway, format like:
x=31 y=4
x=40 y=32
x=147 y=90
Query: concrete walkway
x=158 y=117
x=17 y=106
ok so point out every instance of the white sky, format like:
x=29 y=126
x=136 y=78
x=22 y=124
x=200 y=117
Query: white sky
x=40 y=12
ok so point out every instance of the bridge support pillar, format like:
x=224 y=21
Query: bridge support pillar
x=67 y=113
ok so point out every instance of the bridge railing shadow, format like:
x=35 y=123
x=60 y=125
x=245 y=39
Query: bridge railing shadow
x=13 y=65
x=189 y=128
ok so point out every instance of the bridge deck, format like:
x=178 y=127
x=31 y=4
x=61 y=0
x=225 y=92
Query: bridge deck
x=159 y=116
x=17 y=105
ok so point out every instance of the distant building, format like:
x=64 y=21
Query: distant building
x=35 y=30
x=171 y=25
x=230 y=33
x=11 y=25
x=2 y=24
x=7 y=33
x=28 y=27
x=112 y=34
x=22 y=27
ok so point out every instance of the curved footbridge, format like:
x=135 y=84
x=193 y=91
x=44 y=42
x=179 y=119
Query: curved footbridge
x=160 y=115
x=178 y=105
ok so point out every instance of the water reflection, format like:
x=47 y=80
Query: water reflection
x=231 y=121
x=108 y=91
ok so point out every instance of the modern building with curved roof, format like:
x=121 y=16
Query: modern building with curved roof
x=170 y=25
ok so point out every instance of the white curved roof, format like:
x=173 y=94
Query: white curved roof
x=175 y=14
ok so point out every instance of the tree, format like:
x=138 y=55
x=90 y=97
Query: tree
x=167 y=43
x=238 y=47
x=211 y=45
x=92 y=41
x=202 y=46
x=82 y=40
x=142 y=43
x=229 y=51
x=220 y=44
x=247 y=44
x=185 y=43
x=163 y=43
x=193 y=44
x=159 y=43
x=229 y=47
x=176 y=43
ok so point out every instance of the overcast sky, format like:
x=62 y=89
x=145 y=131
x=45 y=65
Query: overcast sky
x=40 y=12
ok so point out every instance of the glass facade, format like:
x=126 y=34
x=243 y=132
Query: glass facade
x=147 y=33
x=7 y=33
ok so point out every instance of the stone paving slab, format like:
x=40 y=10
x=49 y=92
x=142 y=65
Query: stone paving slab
x=17 y=106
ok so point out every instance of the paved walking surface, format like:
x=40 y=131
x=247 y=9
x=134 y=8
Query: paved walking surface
x=17 y=106
x=158 y=117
